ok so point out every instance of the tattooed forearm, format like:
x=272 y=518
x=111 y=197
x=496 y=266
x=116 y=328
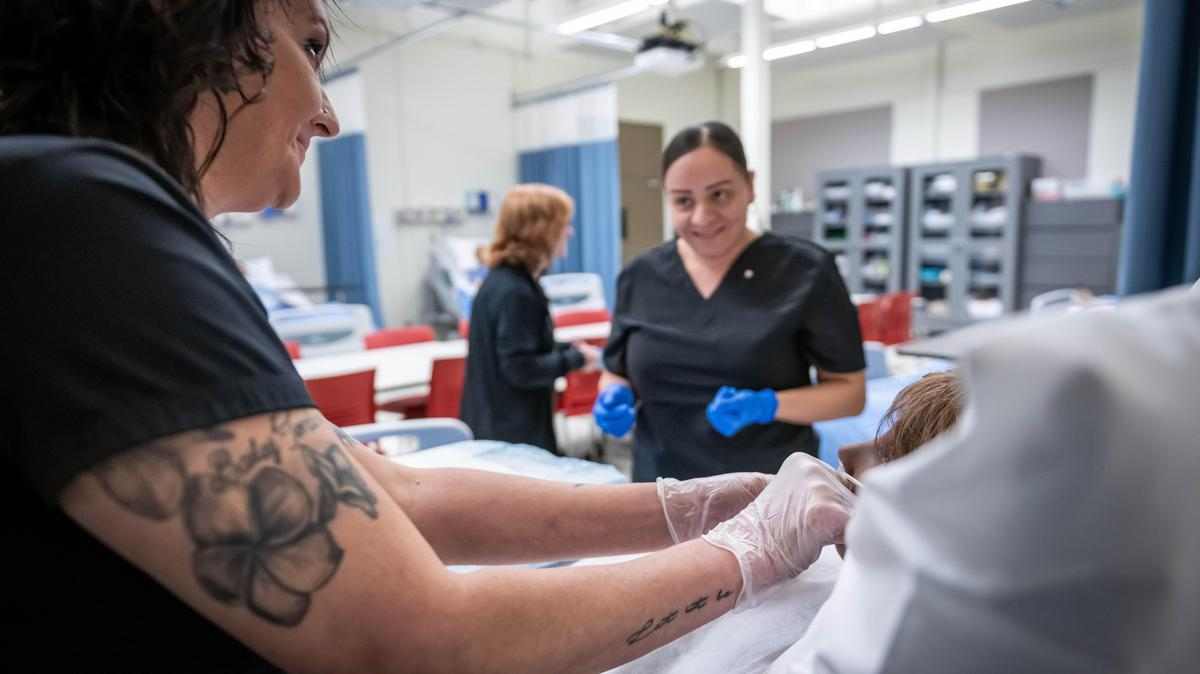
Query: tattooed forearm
x=258 y=509
x=653 y=625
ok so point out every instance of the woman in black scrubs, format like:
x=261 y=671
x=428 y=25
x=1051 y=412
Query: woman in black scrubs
x=715 y=331
x=512 y=359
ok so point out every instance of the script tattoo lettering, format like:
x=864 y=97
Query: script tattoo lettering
x=261 y=531
x=651 y=626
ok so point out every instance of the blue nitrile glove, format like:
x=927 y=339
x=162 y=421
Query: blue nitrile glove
x=614 y=410
x=732 y=409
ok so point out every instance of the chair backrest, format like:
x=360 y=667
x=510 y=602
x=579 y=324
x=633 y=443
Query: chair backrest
x=293 y=348
x=580 y=393
x=581 y=317
x=413 y=334
x=896 y=317
x=445 y=387
x=345 y=399
x=869 y=321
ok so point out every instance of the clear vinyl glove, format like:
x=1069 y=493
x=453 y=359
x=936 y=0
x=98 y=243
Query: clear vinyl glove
x=692 y=507
x=781 y=533
x=614 y=410
x=732 y=409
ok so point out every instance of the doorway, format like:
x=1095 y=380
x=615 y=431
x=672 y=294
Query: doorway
x=640 y=151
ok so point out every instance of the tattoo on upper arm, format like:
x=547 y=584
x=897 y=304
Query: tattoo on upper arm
x=652 y=625
x=261 y=533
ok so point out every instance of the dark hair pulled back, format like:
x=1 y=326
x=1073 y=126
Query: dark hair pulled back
x=716 y=135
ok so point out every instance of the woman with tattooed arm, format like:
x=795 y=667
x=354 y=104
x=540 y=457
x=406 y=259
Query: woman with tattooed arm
x=173 y=501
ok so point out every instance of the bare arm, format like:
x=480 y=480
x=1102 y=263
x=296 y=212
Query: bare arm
x=479 y=517
x=270 y=528
x=836 y=395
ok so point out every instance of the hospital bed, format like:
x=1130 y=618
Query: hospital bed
x=449 y=443
x=319 y=328
x=455 y=274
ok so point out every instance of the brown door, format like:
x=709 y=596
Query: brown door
x=640 y=147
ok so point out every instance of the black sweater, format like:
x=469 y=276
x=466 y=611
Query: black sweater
x=513 y=361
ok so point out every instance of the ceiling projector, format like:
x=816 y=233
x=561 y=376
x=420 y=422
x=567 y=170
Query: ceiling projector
x=668 y=52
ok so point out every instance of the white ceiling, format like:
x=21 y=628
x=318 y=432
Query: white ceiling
x=528 y=25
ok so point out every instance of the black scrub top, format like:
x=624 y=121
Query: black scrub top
x=781 y=308
x=126 y=320
x=513 y=361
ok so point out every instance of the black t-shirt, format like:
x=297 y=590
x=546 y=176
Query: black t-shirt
x=513 y=361
x=125 y=320
x=781 y=308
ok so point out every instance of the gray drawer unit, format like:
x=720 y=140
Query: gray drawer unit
x=862 y=217
x=966 y=227
x=794 y=223
x=1071 y=244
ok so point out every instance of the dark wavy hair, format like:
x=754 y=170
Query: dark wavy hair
x=128 y=71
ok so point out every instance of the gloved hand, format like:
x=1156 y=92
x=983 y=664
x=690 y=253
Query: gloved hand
x=613 y=411
x=692 y=507
x=803 y=509
x=733 y=409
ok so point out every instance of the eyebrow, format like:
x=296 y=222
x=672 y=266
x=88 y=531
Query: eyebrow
x=719 y=183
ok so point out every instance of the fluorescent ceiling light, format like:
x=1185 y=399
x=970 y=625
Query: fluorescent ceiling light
x=735 y=61
x=897 y=25
x=846 y=37
x=787 y=49
x=969 y=8
x=607 y=15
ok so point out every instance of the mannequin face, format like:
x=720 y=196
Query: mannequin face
x=856 y=459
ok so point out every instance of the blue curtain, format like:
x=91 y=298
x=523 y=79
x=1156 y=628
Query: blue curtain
x=346 y=214
x=1161 y=242
x=590 y=174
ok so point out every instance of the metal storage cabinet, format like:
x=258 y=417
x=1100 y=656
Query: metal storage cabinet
x=1071 y=244
x=966 y=226
x=861 y=217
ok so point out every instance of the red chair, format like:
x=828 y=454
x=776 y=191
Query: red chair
x=414 y=334
x=582 y=317
x=896 y=317
x=870 y=321
x=293 y=348
x=464 y=328
x=446 y=387
x=345 y=399
x=412 y=407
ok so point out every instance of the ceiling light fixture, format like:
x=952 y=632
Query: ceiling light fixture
x=607 y=15
x=969 y=8
x=782 y=51
x=846 y=37
x=897 y=25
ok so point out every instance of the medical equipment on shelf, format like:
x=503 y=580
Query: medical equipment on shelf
x=324 y=329
x=454 y=274
x=943 y=184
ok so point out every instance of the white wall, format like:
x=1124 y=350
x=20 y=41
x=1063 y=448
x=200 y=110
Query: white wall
x=440 y=124
x=1106 y=45
x=293 y=241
